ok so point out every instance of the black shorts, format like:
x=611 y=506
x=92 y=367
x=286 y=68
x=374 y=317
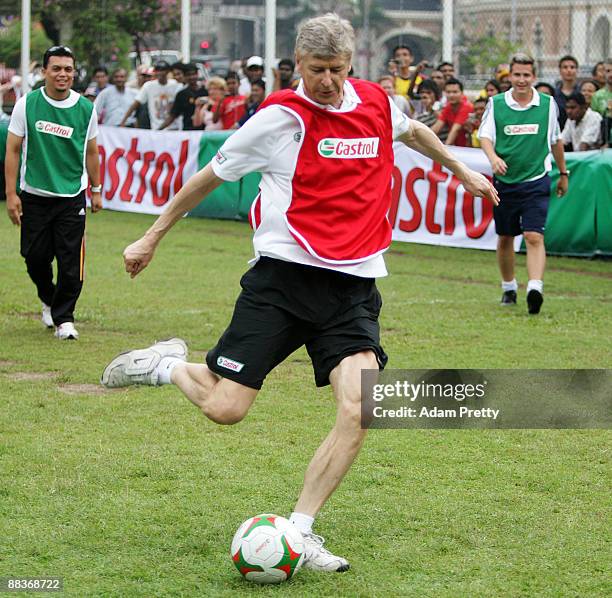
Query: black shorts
x=283 y=306
x=523 y=207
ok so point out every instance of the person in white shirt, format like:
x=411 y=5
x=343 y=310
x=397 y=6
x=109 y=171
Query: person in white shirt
x=520 y=136
x=254 y=71
x=401 y=102
x=51 y=145
x=583 y=126
x=325 y=152
x=158 y=95
x=113 y=101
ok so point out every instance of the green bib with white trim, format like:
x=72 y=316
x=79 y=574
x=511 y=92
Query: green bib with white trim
x=521 y=139
x=56 y=144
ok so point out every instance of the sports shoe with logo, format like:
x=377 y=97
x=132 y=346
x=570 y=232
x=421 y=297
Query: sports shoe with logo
x=318 y=558
x=45 y=317
x=534 y=301
x=508 y=298
x=66 y=332
x=140 y=366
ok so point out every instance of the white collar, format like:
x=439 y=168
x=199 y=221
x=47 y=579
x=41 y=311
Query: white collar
x=510 y=101
x=349 y=98
x=73 y=98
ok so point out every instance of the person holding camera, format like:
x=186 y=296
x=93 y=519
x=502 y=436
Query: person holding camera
x=407 y=77
x=207 y=107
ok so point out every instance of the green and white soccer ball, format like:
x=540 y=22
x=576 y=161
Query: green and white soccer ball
x=267 y=549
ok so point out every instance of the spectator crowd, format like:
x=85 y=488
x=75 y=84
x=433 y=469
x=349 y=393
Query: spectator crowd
x=174 y=97
x=436 y=97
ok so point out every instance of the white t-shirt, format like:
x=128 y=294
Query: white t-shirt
x=269 y=143
x=158 y=99
x=588 y=131
x=18 y=126
x=487 y=125
x=112 y=104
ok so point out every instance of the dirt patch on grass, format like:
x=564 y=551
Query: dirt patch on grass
x=31 y=376
x=30 y=315
x=82 y=389
x=5 y=363
x=593 y=273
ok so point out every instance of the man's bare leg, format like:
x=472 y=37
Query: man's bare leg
x=220 y=400
x=505 y=260
x=333 y=459
x=536 y=255
x=338 y=451
x=505 y=257
x=536 y=262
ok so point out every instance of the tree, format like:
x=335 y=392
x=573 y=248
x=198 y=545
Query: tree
x=10 y=43
x=141 y=18
x=104 y=31
x=485 y=53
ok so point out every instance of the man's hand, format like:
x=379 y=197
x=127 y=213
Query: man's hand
x=479 y=186
x=137 y=256
x=96 y=202
x=498 y=165
x=419 y=68
x=13 y=207
x=562 y=185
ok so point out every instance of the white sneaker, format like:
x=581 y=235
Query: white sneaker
x=45 y=317
x=140 y=366
x=320 y=559
x=66 y=332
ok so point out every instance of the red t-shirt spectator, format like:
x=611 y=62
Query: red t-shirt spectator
x=457 y=114
x=232 y=110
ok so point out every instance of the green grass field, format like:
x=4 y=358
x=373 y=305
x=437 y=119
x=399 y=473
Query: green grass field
x=132 y=493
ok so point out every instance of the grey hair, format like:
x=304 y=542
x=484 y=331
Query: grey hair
x=326 y=36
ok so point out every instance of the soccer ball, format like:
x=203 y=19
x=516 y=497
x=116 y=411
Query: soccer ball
x=267 y=549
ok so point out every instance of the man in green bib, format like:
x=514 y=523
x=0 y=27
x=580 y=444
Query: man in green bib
x=53 y=129
x=518 y=133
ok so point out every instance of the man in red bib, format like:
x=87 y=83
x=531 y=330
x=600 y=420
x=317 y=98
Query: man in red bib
x=325 y=154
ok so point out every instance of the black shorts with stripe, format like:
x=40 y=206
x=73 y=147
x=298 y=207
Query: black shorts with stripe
x=283 y=306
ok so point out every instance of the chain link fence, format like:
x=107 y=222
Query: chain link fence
x=488 y=32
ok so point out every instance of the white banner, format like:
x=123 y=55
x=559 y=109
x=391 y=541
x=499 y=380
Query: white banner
x=141 y=170
x=429 y=204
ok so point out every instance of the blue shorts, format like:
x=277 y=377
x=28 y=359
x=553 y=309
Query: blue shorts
x=523 y=207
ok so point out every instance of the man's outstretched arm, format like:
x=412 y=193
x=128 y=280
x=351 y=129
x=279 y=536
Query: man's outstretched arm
x=422 y=139
x=138 y=255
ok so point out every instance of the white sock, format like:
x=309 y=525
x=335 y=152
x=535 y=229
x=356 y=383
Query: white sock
x=535 y=285
x=165 y=367
x=509 y=286
x=302 y=522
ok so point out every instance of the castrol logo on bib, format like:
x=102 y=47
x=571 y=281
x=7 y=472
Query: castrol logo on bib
x=50 y=128
x=349 y=149
x=522 y=129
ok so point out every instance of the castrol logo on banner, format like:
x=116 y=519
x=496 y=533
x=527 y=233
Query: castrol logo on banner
x=430 y=205
x=142 y=170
